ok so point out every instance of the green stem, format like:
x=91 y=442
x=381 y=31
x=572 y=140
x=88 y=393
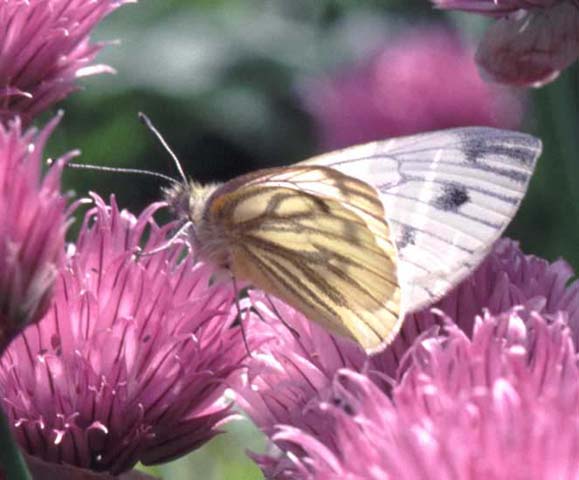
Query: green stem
x=564 y=113
x=12 y=463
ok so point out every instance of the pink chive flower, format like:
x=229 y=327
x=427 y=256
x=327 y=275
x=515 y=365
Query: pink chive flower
x=531 y=42
x=290 y=373
x=500 y=406
x=44 y=48
x=34 y=221
x=424 y=79
x=132 y=359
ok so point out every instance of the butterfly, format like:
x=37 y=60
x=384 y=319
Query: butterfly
x=357 y=238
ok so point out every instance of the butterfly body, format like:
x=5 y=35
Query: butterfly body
x=270 y=228
x=355 y=239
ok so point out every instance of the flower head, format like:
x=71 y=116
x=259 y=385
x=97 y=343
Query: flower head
x=502 y=405
x=44 y=48
x=530 y=43
x=32 y=229
x=293 y=371
x=131 y=361
x=425 y=79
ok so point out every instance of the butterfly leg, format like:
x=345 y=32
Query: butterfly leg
x=292 y=330
x=240 y=315
x=172 y=241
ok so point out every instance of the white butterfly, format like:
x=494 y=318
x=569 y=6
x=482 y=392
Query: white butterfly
x=357 y=238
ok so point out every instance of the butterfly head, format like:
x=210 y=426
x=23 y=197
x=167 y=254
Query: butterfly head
x=188 y=200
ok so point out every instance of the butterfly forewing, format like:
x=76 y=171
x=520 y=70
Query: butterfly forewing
x=447 y=197
x=316 y=239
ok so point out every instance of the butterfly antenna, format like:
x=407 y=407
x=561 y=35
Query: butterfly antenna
x=147 y=121
x=101 y=168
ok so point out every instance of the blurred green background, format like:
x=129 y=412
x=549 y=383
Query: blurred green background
x=220 y=80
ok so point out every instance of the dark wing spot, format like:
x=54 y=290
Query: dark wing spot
x=520 y=148
x=452 y=198
x=407 y=237
x=473 y=149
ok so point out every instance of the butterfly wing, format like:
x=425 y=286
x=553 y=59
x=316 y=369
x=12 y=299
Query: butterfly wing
x=447 y=195
x=316 y=239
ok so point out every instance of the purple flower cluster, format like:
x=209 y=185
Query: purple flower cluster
x=126 y=358
x=501 y=405
x=531 y=42
x=131 y=361
x=458 y=387
x=44 y=48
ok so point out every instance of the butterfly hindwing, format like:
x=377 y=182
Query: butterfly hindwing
x=316 y=239
x=447 y=197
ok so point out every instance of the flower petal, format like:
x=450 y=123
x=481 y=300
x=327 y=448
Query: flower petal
x=531 y=48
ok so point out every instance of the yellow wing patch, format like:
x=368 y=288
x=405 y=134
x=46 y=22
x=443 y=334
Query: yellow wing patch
x=316 y=239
